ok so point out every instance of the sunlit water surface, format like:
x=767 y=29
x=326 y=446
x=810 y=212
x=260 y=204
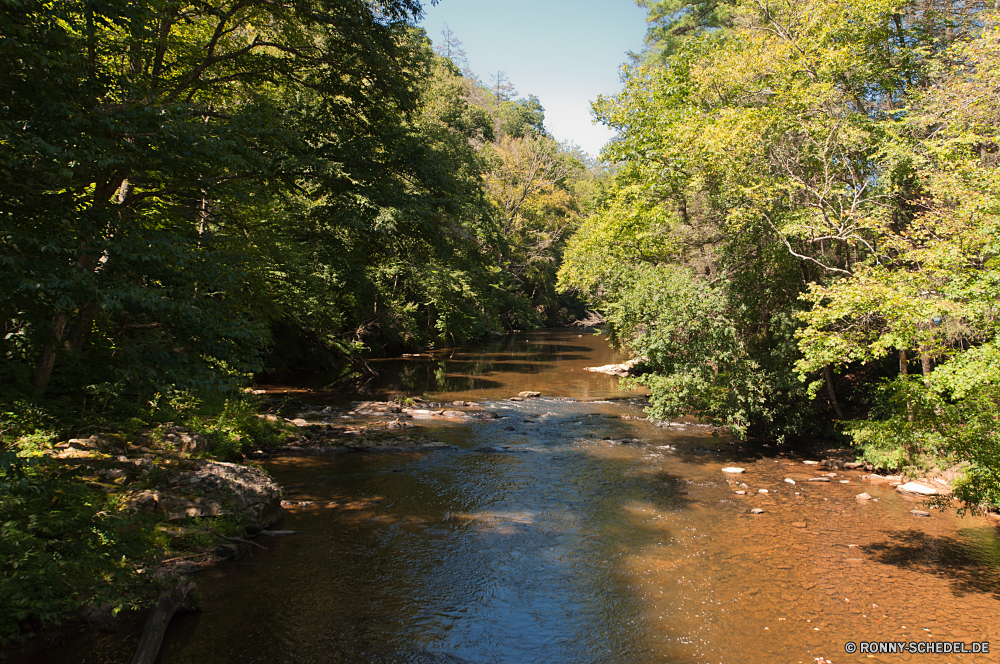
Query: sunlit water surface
x=593 y=539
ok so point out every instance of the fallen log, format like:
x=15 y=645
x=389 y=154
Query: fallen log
x=156 y=625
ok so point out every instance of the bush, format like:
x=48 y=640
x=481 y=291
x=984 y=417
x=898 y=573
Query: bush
x=63 y=545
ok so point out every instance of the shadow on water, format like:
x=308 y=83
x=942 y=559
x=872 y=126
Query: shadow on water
x=969 y=559
x=573 y=532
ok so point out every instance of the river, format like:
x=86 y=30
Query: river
x=588 y=537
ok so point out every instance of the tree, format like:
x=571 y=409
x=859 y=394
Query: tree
x=136 y=138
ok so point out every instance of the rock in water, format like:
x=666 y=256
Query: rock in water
x=863 y=496
x=527 y=394
x=919 y=513
x=756 y=510
x=790 y=480
x=733 y=469
x=914 y=489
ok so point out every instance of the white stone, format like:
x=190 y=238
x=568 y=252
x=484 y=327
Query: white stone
x=916 y=489
x=790 y=480
x=733 y=469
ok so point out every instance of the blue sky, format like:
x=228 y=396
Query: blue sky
x=566 y=52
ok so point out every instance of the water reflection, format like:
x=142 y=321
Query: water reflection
x=562 y=532
x=551 y=362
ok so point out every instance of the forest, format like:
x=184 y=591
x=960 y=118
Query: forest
x=796 y=229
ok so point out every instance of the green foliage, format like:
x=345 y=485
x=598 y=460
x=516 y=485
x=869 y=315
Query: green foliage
x=237 y=429
x=62 y=545
x=802 y=191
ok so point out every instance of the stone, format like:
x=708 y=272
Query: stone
x=854 y=465
x=741 y=493
x=146 y=501
x=454 y=413
x=299 y=422
x=790 y=480
x=811 y=463
x=74 y=453
x=915 y=489
x=863 y=496
x=187 y=441
x=628 y=368
x=756 y=510
x=762 y=491
x=84 y=443
x=845 y=481
x=516 y=399
x=528 y=394
x=733 y=469
x=919 y=513
x=242 y=491
x=818 y=479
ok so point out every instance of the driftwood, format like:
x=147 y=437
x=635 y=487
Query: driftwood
x=156 y=625
x=243 y=541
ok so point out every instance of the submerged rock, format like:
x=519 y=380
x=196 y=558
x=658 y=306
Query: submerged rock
x=733 y=469
x=403 y=444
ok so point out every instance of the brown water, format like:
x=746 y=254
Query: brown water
x=576 y=548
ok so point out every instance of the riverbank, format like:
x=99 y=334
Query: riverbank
x=594 y=532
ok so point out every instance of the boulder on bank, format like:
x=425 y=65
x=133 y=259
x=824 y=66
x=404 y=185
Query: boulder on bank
x=216 y=488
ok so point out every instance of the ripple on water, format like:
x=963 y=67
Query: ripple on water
x=577 y=548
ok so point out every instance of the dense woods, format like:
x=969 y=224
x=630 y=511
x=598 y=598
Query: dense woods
x=801 y=232
x=797 y=229
x=197 y=193
x=189 y=188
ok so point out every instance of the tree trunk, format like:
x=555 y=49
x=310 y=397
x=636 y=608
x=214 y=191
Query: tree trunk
x=828 y=376
x=156 y=625
x=81 y=328
x=47 y=359
x=904 y=371
x=925 y=364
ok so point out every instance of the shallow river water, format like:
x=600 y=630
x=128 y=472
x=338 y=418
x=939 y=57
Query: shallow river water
x=593 y=538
